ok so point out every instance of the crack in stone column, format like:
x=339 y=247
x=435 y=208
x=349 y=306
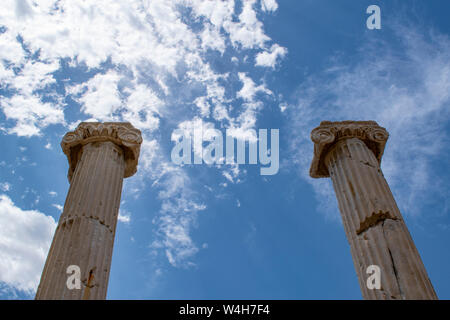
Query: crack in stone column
x=350 y=152
x=393 y=264
x=373 y=220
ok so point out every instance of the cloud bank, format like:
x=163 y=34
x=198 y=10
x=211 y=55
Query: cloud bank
x=147 y=62
x=25 y=238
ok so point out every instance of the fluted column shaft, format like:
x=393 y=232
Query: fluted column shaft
x=374 y=226
x=100 y=156
x=350 y=153
x=86 y=228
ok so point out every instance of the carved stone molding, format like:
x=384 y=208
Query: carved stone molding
x=123 y=134
x=328 y=133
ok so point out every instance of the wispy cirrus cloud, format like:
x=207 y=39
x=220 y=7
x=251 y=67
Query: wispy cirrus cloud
x=405 y=88
x=5 y=186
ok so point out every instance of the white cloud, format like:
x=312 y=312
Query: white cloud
x=143 y=63
x=248 y=32
x=142 y=107
x=178 y=214
x=179 y=207
x=58 y=206
x=35 y=75
x=5 y=186
x=124 y=35
x=228 y=176
x=10 y=49
x=269 y=58
x=25 y=237
x=269 y=5
x=212 y=39
x=124 y=216
x=232 y=173
x=249 y=89
x=99 y=96
x=26 y=105
x=134 y=35
x=204 y=106
x=240 y=125
x=30 y=113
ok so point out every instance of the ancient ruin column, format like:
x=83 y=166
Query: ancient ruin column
x=350 y=152
x=100 y=156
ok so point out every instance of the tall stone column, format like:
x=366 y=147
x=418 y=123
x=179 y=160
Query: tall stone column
x=350 y=153
x=100 y=156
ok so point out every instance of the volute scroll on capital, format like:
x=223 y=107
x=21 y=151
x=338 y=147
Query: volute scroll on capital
x=123 y=134
x=328 y=133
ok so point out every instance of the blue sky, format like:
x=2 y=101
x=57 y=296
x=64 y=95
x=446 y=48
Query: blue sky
x=222 y=232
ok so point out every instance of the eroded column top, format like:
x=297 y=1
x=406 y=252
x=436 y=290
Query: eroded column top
x=328 y=133
x=122 y=134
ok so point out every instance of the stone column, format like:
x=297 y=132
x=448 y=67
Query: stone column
x=350 y=153
x=100 y=156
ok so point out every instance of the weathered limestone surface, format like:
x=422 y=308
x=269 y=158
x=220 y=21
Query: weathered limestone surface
x=350 y=153
x=100 y=156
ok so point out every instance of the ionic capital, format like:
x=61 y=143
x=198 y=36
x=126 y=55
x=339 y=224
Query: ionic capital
x=123 y=134
x=328 y=133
